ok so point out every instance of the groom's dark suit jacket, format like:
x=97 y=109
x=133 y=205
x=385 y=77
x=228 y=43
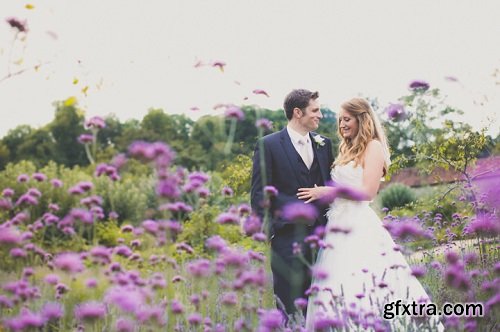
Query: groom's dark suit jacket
x=285 y=170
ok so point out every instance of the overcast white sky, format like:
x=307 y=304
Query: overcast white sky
x=134 y=55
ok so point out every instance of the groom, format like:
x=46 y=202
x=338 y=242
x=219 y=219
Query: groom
x=295 y=157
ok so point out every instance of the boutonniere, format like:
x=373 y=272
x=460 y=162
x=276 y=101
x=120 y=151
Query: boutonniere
x=320 y=141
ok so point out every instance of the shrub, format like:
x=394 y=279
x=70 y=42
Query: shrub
x=397 y=195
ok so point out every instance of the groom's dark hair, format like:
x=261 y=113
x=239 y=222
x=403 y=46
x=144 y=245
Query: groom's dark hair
x=298 y=98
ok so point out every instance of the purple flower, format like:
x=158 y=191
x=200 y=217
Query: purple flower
x=251 y=225
x=342 y=191
x=300 y=303
x=319 y=274
x=119 y=161
x=195 y=319
x=405 y=229
x=51 y=279
x=26 y=320
x=325 y=323
x=123 y=250
x=216 y=242
x=34 y=192
x=244 y=209
x=90 y=311
x=418 y=271
x=233 y=257
x=484 y=224
x=125 y=325
x=5 y=302
x=456 y=277
x=264 y=124
x=229 y=298
x=9 y=235
x=151 y=226
x=396 y=112
x=56 y=183
x=227 y=191
x=82 y=215
x=127 y=299
x=228 y=218
x=17 y=253
x=52 y=311
x=95 y=122
x=199 y=268
x=259 y=237
x=7 y=192
x=176 y=307
x=39 y=177
x=5 y=204
x=270 y=191
x=15 y=23
x=69 y=262
x=28 y=199
x=185 y=247
x=168 y=188
x=91 y=283
x=199 y=176
x=101 y=254
x=271 y=320
x=23 y=178
x=85 y=138
x=153 y=314
x=158 y=151
x=203 y=192
x=451 y=257
x=234 y=112
x=300 y=212
x=419 y=85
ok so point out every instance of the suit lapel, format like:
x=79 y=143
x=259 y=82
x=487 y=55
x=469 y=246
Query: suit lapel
x=319 y=153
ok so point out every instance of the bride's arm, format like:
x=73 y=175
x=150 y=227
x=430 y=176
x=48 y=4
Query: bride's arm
x=373 y=168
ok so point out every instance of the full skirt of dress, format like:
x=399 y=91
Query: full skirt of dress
x=360 y=271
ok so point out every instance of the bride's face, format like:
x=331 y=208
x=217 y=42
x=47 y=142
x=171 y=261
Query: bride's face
x=348 y=125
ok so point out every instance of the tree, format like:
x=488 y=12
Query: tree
x=14 y=138
x=39 y=147
x=66 y=128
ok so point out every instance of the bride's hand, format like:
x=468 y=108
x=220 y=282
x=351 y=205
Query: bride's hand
x=312 y=194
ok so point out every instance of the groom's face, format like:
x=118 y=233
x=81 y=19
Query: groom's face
x=310 y=116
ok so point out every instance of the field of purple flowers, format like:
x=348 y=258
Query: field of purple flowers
x=199 y=262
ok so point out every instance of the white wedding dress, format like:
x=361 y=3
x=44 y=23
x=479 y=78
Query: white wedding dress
x=363 y=270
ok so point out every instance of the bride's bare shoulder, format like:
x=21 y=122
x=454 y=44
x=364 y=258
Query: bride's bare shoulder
x=374 y=144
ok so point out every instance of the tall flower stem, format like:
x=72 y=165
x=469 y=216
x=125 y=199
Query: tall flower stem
x=230 y=138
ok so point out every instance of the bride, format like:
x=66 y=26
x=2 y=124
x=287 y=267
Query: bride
x=359 y=272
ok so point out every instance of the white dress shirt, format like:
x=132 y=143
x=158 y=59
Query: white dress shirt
x=303 y=146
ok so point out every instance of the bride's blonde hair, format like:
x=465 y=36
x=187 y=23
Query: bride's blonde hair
x=369 y=128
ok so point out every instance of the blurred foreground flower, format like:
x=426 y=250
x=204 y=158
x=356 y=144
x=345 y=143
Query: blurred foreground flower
x=396 y=112
x=300 y=213
x=17 y=24
x=419 y=85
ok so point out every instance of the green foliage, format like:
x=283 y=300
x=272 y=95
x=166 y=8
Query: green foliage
x=445 y=212
x=397 y=195
x=237 y=174
x=128 y=197
x=200 y=227
x=108 y=232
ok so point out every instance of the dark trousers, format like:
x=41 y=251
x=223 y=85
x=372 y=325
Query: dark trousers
x=291 y=277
